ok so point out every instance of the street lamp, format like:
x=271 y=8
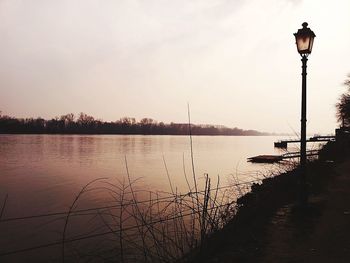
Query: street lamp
x=304 y=39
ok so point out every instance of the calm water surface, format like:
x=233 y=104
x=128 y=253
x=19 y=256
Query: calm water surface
x=44 y=173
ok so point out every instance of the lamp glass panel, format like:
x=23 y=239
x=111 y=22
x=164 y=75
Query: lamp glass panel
x=303 y=44
x=311 y=43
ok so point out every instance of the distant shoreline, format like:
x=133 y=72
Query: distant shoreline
x=135 y=134
x=85 y=124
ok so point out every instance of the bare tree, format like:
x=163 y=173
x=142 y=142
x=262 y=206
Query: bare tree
x=343 y=105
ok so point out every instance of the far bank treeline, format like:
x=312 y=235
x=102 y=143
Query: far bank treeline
x=85 y=124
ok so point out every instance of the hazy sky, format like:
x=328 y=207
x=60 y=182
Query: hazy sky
x=234 y=61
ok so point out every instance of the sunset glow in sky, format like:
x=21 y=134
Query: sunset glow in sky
x=234 y=61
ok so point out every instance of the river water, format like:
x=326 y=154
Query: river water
x=44 y=173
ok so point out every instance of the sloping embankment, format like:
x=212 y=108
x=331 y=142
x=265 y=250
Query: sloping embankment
x=271 y=227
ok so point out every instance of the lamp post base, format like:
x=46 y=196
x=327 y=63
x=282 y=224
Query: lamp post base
x=303 y=186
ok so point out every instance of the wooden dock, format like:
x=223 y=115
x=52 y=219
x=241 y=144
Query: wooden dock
x=278 y=158
x=265 y=159
x=284 y=143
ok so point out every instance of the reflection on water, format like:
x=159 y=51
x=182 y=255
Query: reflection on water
x=44 y=173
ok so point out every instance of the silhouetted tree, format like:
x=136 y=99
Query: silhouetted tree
x=343 y=105
x=68 y=118
x=85 y=119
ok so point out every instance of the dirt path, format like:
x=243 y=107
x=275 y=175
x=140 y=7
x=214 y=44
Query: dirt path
x=321 y=234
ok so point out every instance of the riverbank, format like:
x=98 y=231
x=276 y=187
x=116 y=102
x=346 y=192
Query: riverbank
x=321 y=234
x=270 y=226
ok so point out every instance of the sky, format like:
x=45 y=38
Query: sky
x=234 y=61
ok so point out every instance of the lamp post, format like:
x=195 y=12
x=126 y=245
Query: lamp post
x=304 y=40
